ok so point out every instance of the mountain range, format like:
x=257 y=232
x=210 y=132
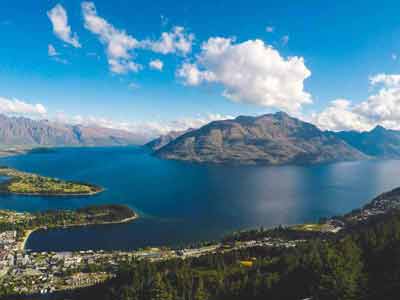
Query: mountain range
x=24 y=131
x=267 y=139
x=379 y=142
x=165 y=139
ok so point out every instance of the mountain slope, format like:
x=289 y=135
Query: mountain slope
x=24 y=131
x=165 y=139
x=379 y=142
x=268 y=139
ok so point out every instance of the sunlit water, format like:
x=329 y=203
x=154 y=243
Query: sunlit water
x=181 y=203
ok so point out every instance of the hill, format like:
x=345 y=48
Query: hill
x=267 y=139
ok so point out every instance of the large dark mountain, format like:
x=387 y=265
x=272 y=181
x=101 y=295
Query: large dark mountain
x=24 y=131
x=268 y=139
x=379 y=142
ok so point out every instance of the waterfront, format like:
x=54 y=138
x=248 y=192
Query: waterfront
x=181 y=203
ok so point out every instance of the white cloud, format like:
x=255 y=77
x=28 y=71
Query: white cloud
x=189 y=122
x=176 y=41
x=382 y=107
x=394 y=56
x=145 y=129
x=250 y=72
x=340 y=115
x=18 y=107
x=191 y=74
x=392 y=80
x=118 y=43
x=52 y=51
x=156 y=64
x=59 y=19
x=269 y=29
x=54 y=55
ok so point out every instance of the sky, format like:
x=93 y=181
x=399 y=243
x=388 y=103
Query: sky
x=155 y=66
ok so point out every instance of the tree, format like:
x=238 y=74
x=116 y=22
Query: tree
x=340 y=274
x=200 y=293
x=158 y=289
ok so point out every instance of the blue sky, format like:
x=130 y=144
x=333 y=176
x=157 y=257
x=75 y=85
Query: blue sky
x=342 y=44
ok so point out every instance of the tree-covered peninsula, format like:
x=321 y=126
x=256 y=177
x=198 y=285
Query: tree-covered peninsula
x=90 y=215
x=18 y=182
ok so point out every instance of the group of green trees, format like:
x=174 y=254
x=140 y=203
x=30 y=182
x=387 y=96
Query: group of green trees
x=95 y=214
x=362 y=264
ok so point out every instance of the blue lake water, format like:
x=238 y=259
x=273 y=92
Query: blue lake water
x=181 y=203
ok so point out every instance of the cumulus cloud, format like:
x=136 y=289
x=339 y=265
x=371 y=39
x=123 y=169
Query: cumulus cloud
x=250 y=72
x=156 y=64
x=340 y=115
x=176 y=41
x=21 y=108
x=59 y=19
x=382 y=107
x=192 y=75
x=118 y=43
x=392 y=80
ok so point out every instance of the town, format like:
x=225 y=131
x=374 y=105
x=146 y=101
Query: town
x=28 y=273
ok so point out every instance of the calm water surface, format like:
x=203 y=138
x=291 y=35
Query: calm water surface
x=182 y=203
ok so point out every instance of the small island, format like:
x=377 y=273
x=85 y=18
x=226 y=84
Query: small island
x=23 y=183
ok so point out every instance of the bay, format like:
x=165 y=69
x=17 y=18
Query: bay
x=182 y=203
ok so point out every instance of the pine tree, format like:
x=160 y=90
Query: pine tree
x=158 y=289
x=200 y=293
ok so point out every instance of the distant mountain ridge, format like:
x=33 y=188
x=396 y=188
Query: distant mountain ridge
x=25 y=131
x=379 y=142
x=165 y=139
x=268 y=139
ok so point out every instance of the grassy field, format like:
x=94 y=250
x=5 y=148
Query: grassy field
x=309 y=227
x=33 y=184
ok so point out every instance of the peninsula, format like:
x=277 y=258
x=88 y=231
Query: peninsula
x=23 y=183
x=25 y=223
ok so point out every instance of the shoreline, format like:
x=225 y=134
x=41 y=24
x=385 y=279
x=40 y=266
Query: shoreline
x=28 y=232
x=15 y=176
x=54 y=194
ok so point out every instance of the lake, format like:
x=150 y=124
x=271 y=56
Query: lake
x=182 y=203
